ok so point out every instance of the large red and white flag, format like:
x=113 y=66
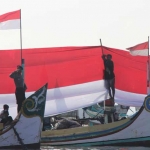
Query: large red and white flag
x=10 y=20
x=140 y=49
x=74 y=76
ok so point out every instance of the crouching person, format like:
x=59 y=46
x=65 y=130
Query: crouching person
x=4 y=115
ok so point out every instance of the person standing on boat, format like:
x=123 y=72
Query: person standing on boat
x=20 y=86
x=109 y=75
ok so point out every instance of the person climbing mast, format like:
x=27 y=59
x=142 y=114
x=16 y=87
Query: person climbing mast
x=109 y=75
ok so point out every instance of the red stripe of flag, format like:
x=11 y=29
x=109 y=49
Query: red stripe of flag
x=67 y=66
x=10 y=16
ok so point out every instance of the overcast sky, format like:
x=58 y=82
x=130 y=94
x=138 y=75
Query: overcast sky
x=54 y=23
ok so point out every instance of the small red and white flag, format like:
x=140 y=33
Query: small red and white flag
x=140 y=49
x=10 y=20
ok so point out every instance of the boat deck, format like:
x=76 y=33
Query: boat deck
x=1 y=126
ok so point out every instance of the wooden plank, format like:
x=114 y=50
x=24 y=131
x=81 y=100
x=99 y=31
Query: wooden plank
x=1 y=126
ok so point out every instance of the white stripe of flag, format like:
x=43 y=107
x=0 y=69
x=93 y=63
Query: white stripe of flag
x=10 y=20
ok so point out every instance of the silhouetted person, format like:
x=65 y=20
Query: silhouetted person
x=20 y=86
x=109 y=75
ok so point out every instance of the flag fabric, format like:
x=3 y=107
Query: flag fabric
x=74 y=76
x=140 y=49
x=10 y=20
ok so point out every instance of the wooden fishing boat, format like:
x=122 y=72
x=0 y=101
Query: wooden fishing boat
x=130 y=131
x=25 y=131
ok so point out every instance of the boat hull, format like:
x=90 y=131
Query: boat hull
x=25 y=131
x=28 y=130
x=132 y=131
x=130 y=142
x=28 y=146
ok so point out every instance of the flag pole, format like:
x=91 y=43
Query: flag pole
x=20 y=37
x=22 y=60
x=148 y=71
x=148 y=48
x=101 y=46
x=102 y=54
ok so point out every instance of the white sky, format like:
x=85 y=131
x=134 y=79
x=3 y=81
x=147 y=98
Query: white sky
x=54 y=23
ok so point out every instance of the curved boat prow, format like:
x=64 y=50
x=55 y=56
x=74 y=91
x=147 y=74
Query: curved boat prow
x=25 y=130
